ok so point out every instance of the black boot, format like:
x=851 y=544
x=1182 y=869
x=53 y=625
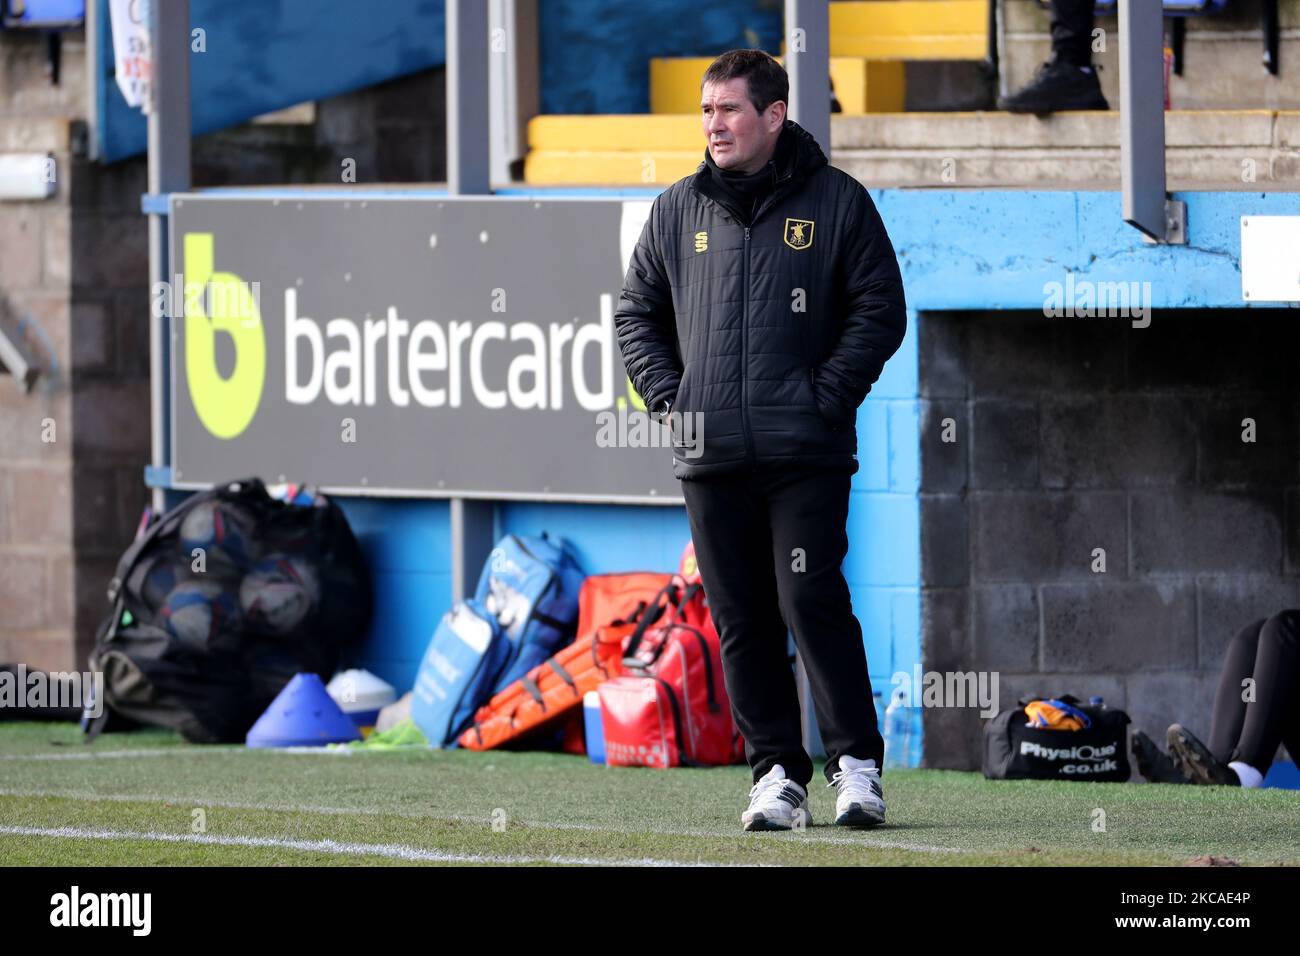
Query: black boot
x=1153 y=763
x=1196 y=760
x=1058 y=86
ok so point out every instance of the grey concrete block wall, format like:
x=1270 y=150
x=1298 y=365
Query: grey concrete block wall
x=1087 y=439
x=37 y=559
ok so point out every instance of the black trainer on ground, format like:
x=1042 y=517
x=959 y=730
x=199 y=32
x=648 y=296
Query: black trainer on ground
x=1196 y=760
x=1058 y=86
x=1152 y=763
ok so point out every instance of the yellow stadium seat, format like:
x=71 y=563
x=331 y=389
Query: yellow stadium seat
x=862 y=85
x=910 y=29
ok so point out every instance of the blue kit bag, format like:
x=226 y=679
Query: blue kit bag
x=524 y=610
x=458 y=671
x=531 y=585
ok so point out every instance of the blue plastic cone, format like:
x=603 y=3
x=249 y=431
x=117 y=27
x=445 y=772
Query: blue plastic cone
x=303 y=715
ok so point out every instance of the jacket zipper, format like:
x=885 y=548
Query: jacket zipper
x=744 y=357
x=769 y=200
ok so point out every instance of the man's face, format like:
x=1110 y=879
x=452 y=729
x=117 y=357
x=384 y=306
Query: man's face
x=740 y=138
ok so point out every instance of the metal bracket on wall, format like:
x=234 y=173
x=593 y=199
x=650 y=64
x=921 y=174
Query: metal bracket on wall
x=1175 y=225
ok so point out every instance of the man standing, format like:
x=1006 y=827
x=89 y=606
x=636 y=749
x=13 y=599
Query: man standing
x=760 y=305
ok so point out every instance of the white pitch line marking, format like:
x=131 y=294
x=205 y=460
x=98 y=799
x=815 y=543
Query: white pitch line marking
x=461 y=818
x=396 y=851
x=98 y=754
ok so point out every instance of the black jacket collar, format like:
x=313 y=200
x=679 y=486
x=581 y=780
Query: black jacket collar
x=790 y=167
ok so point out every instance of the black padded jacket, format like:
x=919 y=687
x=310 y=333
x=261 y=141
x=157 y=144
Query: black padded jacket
x=766 y=335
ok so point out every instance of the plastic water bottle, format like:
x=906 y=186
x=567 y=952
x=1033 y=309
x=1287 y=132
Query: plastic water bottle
x=898 y=731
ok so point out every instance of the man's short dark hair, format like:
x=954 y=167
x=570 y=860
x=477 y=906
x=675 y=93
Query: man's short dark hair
x=767 y=79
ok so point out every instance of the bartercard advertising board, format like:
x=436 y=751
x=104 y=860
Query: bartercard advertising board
x=408 y=345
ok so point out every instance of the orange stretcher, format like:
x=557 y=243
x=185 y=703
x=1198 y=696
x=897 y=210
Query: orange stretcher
x=611 y=607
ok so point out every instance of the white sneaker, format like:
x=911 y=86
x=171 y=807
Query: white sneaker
x=776 y=803
x=860 y=802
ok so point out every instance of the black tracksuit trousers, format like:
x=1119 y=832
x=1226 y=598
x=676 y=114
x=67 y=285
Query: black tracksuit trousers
x=769 y=544
x=1072 y=22
x=1268 y=651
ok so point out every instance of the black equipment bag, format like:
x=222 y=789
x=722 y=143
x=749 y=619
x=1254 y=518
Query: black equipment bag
x=219 y=603
x=1015 y=751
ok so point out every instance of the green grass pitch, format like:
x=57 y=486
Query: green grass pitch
x=148 y=798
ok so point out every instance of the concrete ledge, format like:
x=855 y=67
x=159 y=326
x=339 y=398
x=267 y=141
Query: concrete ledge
x=1089 y=129
x=1246 y=147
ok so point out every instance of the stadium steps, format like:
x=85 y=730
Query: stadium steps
x=1069 y=150
x=1204 y=148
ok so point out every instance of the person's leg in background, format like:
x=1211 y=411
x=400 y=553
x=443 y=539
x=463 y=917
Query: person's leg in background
x=1225 y=726
x=1276 y=676
x=1247 y=728
x=809 y=511
x=733 y=547
x=1229 y=712
x=1072 y=22
x=1069 y=80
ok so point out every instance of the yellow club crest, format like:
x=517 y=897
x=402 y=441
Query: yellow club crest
x=799 y=233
